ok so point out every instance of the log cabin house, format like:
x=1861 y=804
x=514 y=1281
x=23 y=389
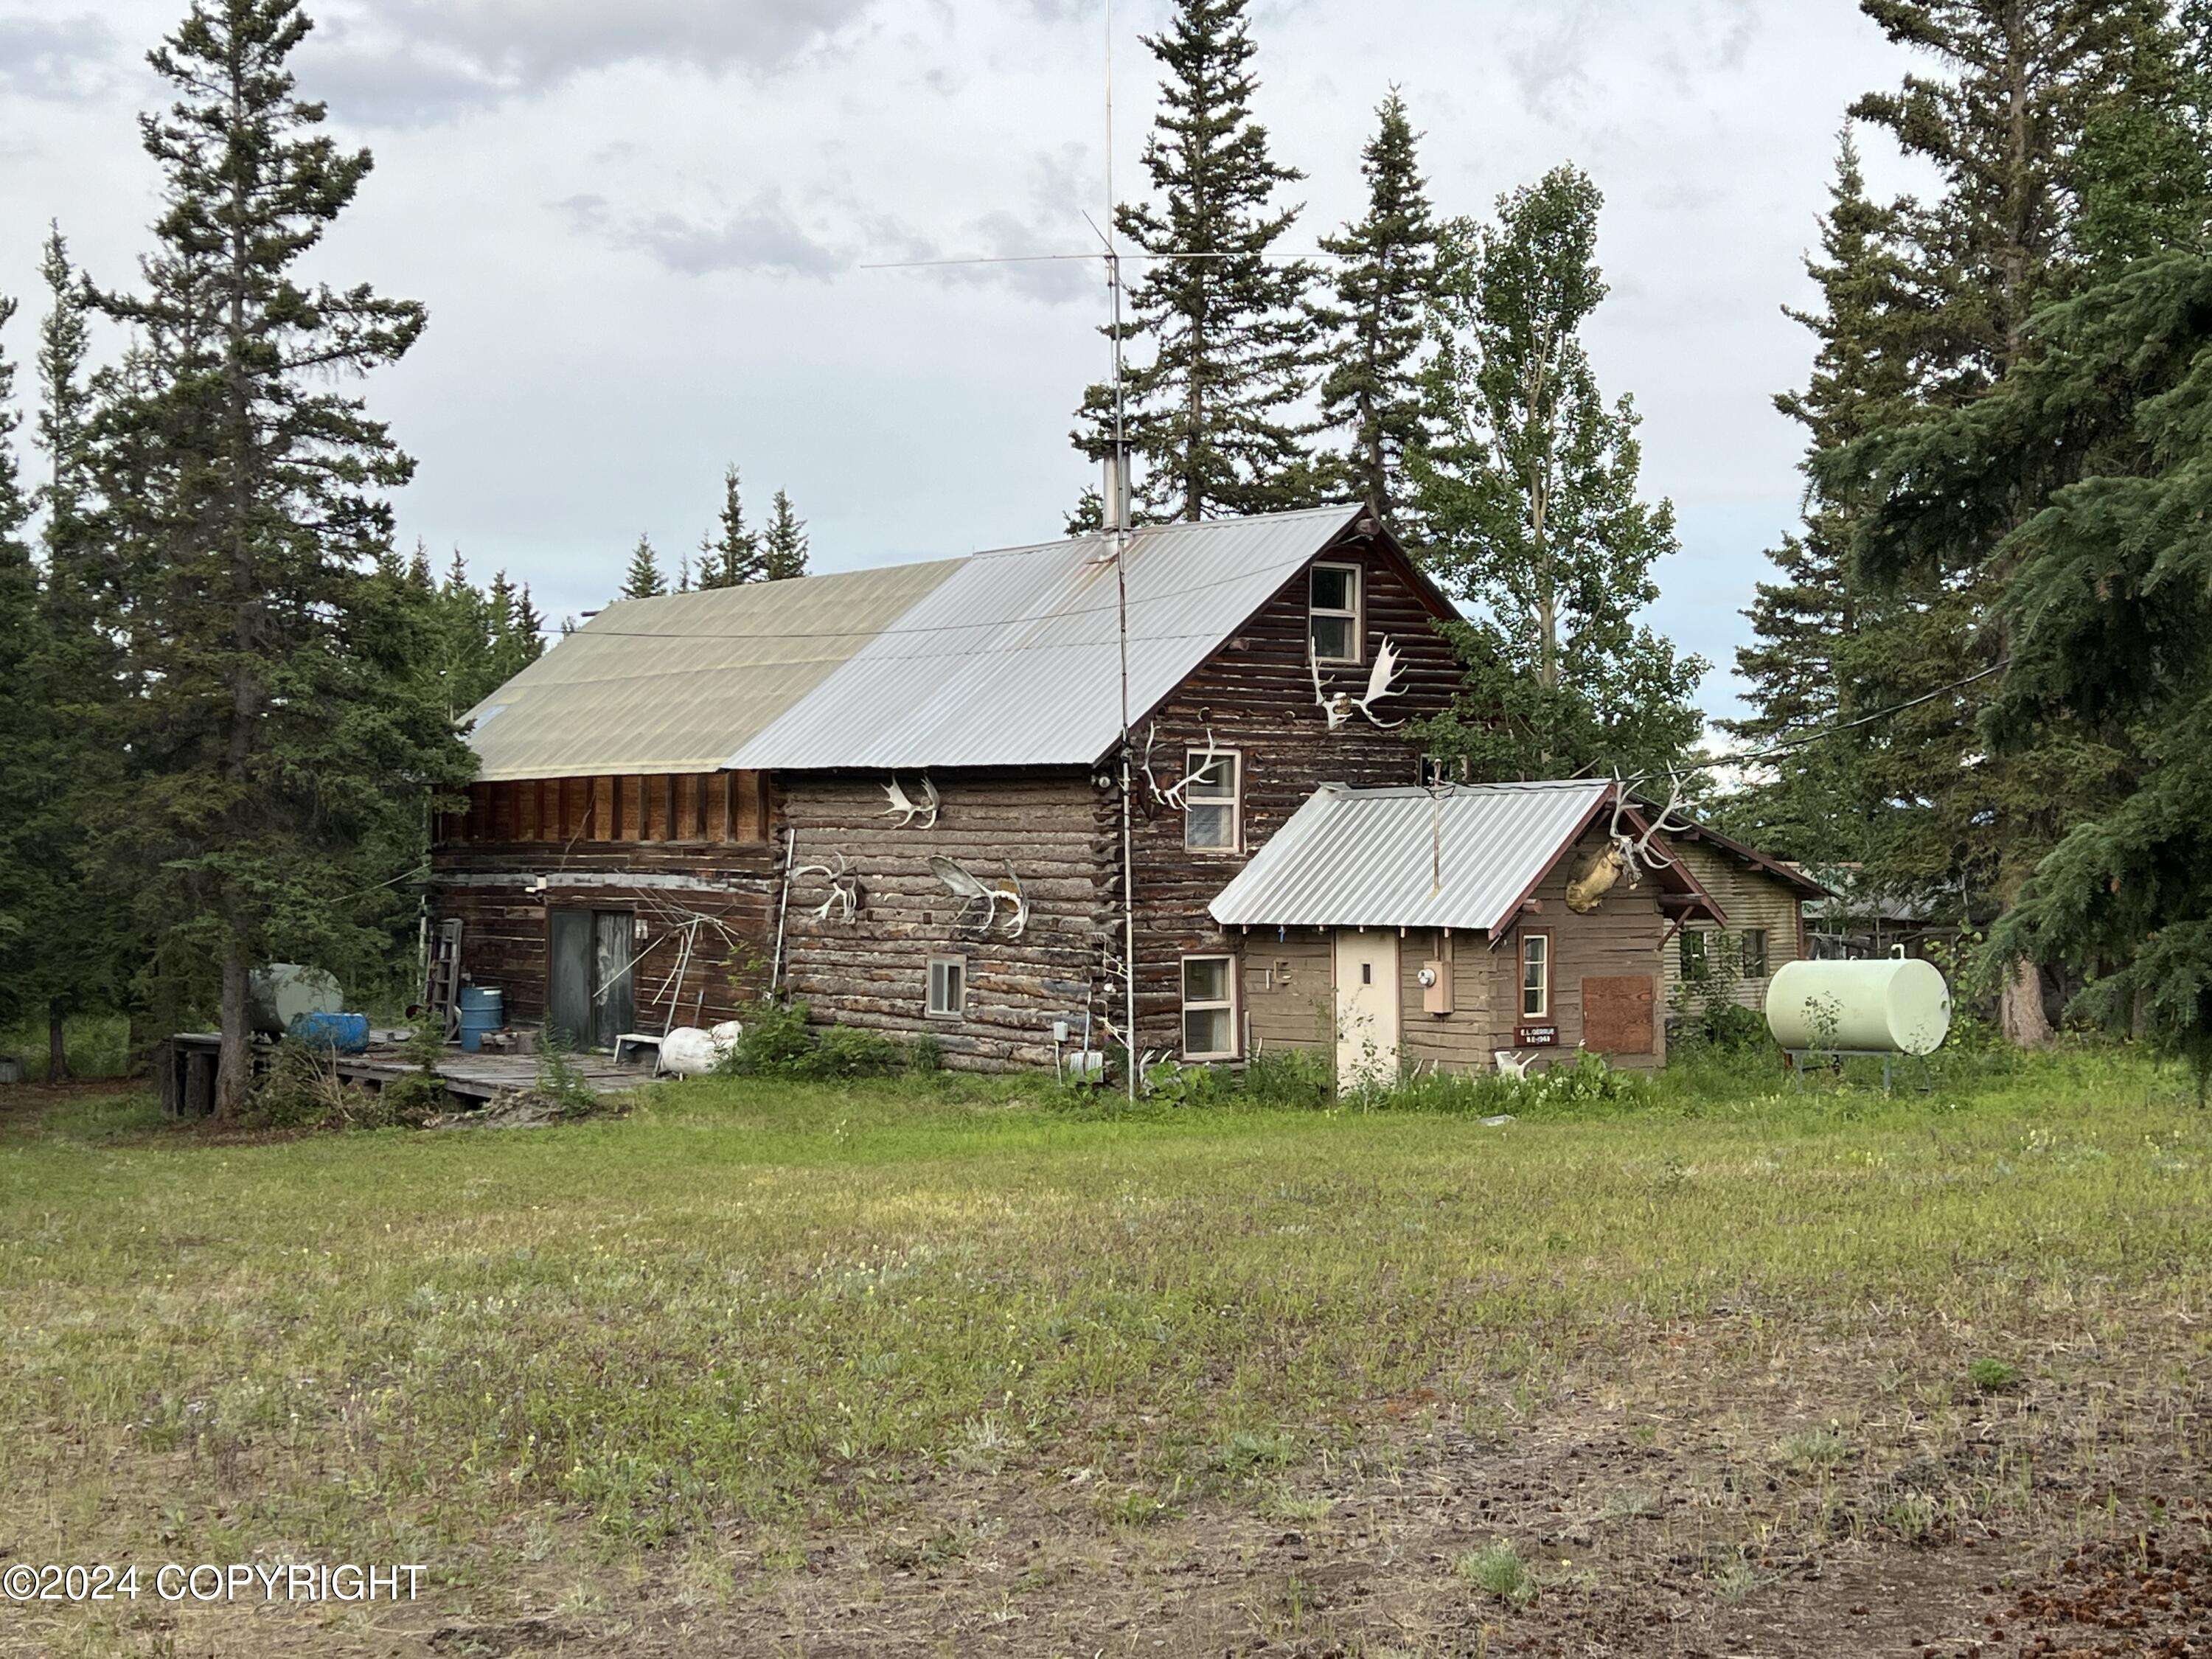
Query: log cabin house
x=896 y=794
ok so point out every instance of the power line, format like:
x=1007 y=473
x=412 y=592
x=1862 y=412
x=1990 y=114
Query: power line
x=1793 y=743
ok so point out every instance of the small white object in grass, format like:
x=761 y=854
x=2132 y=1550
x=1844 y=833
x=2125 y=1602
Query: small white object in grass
x=1497 y=1122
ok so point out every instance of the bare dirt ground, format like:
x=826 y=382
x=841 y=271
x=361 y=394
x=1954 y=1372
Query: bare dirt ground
x=1690 y=1511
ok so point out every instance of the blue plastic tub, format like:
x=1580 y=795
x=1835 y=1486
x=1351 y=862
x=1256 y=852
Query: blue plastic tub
x=341 y=1034
x=483 y=1008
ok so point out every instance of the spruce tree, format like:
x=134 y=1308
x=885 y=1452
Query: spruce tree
x=1813 y=802
x=2004 y=128
x=1212 y=402
x=643 y=579
x=1372 y=338
x=731 y=556
x=1531 y=499
x=279 y=751
x=783 y=546
x=28 y=756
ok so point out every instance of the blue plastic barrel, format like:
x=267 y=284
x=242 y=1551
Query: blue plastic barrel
x=341 y=1034
x=483 y=1008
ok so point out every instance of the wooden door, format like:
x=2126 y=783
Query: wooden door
x=614 y=1008
x=569 y=977
x=1617 y=1015
x=1366 y=1009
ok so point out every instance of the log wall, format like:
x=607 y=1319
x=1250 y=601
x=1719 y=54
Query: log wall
x=1256 y=696
x=872 y=971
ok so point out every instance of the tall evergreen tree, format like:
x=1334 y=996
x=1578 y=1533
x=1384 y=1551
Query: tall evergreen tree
x=643 y=580
x=1211 y=407
x=1531 y=499
x=277 y=750
x=783 y=545
x=28 y=754
x=1372 y=338
x=1813 y=803
x=2004 y=129
x=731 y=556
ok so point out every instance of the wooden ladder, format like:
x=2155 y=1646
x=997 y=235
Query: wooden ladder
x=441 y=997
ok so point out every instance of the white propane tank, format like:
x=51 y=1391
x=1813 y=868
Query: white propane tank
x=1889 y=1005
x=689 y=1052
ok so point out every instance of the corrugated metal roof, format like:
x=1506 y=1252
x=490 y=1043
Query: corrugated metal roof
x=1458 y=857
x=671 y=684
x=1014 y=660
x=1002 y=659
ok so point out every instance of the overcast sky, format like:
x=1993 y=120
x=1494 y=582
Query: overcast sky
x=639 y=227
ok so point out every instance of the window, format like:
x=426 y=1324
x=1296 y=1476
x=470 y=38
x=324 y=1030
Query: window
x=1333 y=602
x=1754 y=953
x=1536 y=975
x=1445 y=769
x=948 y=987
x=1209 y=1007
x=1694 y=964
x=1212 y=809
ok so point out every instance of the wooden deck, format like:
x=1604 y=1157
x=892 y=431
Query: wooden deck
x=186 y=1071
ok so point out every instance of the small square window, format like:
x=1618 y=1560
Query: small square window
x=1333 y=607
x=948 y=987
x=1754 y=953
x=1536 y=975
x=1213 y=806
x=1209 y=1007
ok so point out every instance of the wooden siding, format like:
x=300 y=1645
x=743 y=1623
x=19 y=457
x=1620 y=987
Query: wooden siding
x=874 y=970
x=1290 y=990
x=488 y=887
x=1751 y=897
x=720 y=807
x=1255 y=695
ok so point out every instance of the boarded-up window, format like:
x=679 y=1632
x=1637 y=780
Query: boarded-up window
x=1617 y=1016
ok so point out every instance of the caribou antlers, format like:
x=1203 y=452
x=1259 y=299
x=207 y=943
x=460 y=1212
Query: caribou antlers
x=1625 y=854
x=845 y=897
x=906 y=808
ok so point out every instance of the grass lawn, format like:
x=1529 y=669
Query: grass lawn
x=935 y=1367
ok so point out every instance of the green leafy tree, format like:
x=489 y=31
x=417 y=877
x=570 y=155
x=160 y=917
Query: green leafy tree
x=731 y=556
x=277 y=754
x=783 y=547
x=643 y=580
x=1372 y=339
x=1212 y=395
x=1530 y=497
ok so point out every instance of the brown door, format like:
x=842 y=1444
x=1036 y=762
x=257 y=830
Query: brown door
x=1617 y=1016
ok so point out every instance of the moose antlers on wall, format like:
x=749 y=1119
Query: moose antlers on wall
x=906 y=808
x=966 y=884
x=1381 y=682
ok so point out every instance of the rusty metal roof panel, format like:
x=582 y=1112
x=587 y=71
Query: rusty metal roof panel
x=1460 y=856
x=671 y=684
x=1015 y=658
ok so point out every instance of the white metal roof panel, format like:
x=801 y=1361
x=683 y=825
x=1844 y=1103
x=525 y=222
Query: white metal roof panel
x=1461 y=856
x=1015 y=658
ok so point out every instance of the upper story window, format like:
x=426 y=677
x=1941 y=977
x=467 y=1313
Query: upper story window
x=1212 y=801
x=1337 y=620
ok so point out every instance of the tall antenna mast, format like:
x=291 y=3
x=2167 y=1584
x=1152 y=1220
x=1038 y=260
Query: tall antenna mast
x=1114 y=510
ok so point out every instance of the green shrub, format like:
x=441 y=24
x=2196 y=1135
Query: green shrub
x=1993 y=1376
x=778 y=1041
x=1296 y=1078
x=846 y=1051
x=774 y=1040
x=925 y=1056
x=302 y=1089
x=1497 y=1569
x=561 y=1081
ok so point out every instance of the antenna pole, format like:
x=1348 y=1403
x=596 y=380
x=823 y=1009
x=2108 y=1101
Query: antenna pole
x=1118 y=530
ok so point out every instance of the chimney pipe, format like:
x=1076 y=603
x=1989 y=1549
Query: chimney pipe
x=1114 y=497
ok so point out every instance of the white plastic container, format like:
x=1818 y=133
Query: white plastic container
x=689 y=1052
x=1890 y=1004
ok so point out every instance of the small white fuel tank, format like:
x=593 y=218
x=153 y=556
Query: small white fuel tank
x=1890 y=1004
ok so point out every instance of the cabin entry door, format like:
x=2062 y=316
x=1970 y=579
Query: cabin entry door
x=1367 y=995
x=589 y=995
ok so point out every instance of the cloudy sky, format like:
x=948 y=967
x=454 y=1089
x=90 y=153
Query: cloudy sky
x=642 y=228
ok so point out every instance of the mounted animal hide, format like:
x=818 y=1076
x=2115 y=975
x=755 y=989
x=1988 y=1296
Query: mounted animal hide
x=1600 y=873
